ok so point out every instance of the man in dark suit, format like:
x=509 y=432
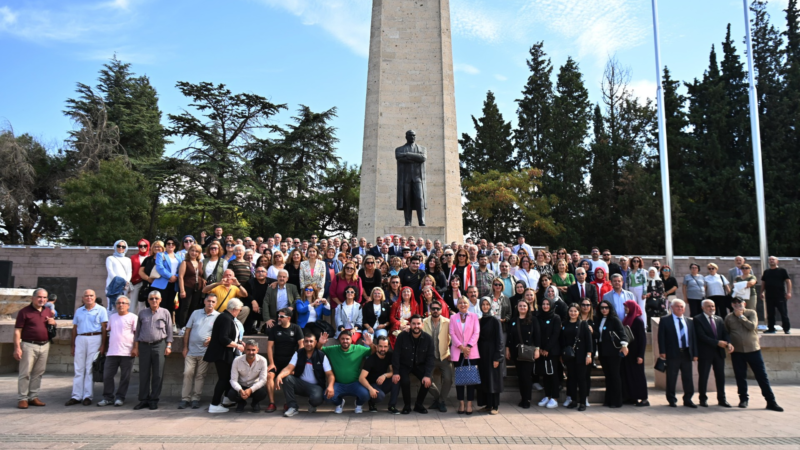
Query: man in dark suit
x=581 y=289
x=396 y=248
x=361 y=249
x=712 y=342
x=376 y=249
x=677 y=343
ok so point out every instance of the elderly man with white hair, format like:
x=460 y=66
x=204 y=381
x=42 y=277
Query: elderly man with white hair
x=279 y=295
x=221 y=352
x=153 y=343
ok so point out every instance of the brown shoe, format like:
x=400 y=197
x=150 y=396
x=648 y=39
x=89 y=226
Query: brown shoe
x=23 y=404
x=72 y=401
x=87 y=402
x=36 y=402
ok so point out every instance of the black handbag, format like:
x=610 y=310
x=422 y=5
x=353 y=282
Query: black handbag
x=98 y=366
x=52 y=332
x=661 y=365
x=568 y=352
x=525 y=352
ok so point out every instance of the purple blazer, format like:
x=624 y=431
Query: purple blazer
x=472 y=330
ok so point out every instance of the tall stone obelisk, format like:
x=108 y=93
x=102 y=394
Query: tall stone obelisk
x=410 y=87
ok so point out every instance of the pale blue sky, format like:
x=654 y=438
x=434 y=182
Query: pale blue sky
x=313 y=52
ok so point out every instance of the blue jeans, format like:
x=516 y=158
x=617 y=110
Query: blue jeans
x=740 y=361
x=354 y=389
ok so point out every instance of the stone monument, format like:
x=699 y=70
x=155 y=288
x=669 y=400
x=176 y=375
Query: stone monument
x=410 y=86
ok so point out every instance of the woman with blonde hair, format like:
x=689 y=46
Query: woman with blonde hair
x=214 y=264
x=190 y=285
x=278 y=263
x=312 y=270
x=396 y=265
x=344 y=279
x=375 y=314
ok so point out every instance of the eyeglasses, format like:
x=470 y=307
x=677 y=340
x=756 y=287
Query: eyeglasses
x=395 y=282
x=123 y=303
x=142 y=246
x=122 y=247
x=226 y=245
x=188 y=241
x=350 y=292
x=283 y=317
x=154 y=298
x=606 y=254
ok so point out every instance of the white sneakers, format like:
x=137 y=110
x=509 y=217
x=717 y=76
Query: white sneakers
x=118 y=402
x=103 y=402
x=359 y=410
x=544 y=401
x=217 y=409
x=291 y=412
x=339 y=407
x=538 y=387
x=568 y=401
x=226 y=402
x=553 y=403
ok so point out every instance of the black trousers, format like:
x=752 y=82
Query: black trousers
x=256 y=397
x=682 y=364
x=696 y=306
x=704 y=367
x=755 y=360
x=168 y=298
x=223 y=381
x=576 y=380
x=551 y=376
x=186 y=306
x=611 y=367
x=405 y=385
x=151 y=369
x=722 y=303
x=779 y=306
x=525 y=376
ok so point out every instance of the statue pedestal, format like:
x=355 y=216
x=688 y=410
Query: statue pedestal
x=431 y=233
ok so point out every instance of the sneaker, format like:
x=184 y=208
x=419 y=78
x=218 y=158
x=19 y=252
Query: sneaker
x=568 y=401
x=553 y=403
x=587 y=404
x=271 y=408
x=339 y=407
x=770 y=332
x=226 y=402
x=393 y=410
x=544 y=401
x=538 y=387
x=359 y=409
x=372 y=407
x=118 y=402
x=103 y=402
x=183 y=404
x=217 y=409
x=195 y=404
x=182 y=331
x=291 y=412
x=787 y=331
x=312 y=408
x=442 y=407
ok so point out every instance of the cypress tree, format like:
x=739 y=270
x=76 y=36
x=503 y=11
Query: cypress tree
x=534 y=110
x=491 y=148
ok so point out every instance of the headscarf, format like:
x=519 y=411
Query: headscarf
x=634 y=311
x=590 y=272
x=486 y=300
x=652 y=280
x=600 y=269
x=118 y=254
x=547 y=315
x=555 y=298
x=145 y=253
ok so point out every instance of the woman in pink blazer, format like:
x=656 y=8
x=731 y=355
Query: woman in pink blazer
x=465 y=328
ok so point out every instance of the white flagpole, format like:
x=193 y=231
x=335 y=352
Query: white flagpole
x=756 y=137
x=662 y=143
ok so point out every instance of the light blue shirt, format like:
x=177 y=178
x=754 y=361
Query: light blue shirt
x=680 y=332
x=282 y=299
x=89 y=321
x=527 y=248
x=618 y=300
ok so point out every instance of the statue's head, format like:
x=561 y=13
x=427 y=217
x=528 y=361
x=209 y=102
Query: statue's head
x=411 y=136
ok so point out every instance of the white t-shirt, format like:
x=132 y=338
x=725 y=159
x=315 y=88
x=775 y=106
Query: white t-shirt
x=308 y=372
x=121 y=331
x=212 y=265
x=599 y=263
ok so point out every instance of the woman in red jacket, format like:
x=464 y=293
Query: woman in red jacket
x=405 y=307
x=601 y=282
x=427 y=296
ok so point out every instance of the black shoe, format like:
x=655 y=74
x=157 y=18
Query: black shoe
x=372 y=407
x=582 y=407
x=615 y=406
x=434 y=405
x=743 y=404
x=153 y=406
x=442 y=407
x=141 y=405
x=406 y=410
x=643 y=403
x=572 y=406
x=673 y=405
x=256 y=407
x=772 y=406
x=240 y=407
x=526 y=405
x=787 y=331
x=770 y=332
x=704 y=403
x=689 y=404
x=420 y=409
x=393 y=410
x=724 y=404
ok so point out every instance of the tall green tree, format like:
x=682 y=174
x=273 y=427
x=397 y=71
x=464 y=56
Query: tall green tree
x=492 y=147
x=534 y=115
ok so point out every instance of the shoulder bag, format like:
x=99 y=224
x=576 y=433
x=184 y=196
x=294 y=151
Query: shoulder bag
x=568 y=352
x=525 y=352
x=467 y=375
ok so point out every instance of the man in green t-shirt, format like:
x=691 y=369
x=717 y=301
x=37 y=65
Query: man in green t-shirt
x=346 y=360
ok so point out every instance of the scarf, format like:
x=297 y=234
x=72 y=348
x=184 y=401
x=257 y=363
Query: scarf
x=652 y=280
x=146 y=252
x=634 y=311
x=118 y=254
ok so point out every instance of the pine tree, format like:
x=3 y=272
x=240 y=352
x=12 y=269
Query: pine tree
x=491 y=148
x=534 y=110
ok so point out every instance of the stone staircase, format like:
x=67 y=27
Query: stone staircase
x=597 y=390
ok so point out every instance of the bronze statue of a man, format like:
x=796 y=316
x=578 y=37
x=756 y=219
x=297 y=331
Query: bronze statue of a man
x=411 y=184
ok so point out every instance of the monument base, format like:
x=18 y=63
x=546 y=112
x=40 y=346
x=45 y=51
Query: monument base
x=431 y=233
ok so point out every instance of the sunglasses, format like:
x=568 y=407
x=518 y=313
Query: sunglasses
x=370 y=262
x=350 y=292
x=436 y=309
x=122 y=246
x=283 y=317
x=497 y=285
x=606 y=254
x=188 y=241
x=168 y=244
x=604 y=307
x=395 y=282
x=349 y=268
x=309 y=290
x=226 y=245
x=142 y=246
x=586 y=305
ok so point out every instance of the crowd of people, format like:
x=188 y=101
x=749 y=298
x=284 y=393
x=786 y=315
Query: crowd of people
x=354 y=319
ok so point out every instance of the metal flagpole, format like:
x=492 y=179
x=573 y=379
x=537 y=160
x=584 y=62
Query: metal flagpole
x=756 y=137
x=662 y=144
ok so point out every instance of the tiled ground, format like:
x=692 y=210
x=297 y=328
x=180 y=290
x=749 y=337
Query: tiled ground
x=90 y=427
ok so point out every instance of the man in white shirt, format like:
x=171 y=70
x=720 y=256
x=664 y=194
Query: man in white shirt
x=248 y=378
x=597 y=262
x=195 y=342
x=120 y=356
x=521 y=244
x=474 y=305
x=494 y=262
x=277 y=243
x=309 y=373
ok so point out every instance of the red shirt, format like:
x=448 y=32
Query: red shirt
x=33 y=323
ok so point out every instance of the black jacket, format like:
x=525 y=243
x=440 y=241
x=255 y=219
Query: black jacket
x=368 y=314
x=375 y=251
x=585 y=342
x=707 y=346
x=222 y=334
x=574 y=294
x=668 y=337
x=550 y=331
x=609 y=345
x=403 y=354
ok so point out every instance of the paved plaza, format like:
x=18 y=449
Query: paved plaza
x=89 y=427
